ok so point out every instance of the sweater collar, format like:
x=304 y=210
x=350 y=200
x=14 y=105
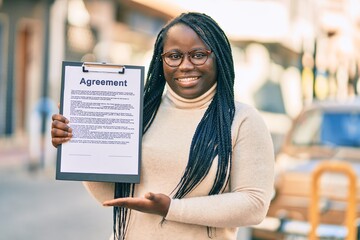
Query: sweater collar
x=177 y=101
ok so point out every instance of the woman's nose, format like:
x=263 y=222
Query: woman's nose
x=186 y=63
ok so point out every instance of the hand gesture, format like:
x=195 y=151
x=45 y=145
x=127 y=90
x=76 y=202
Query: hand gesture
x=60 y=130
x=154 y=203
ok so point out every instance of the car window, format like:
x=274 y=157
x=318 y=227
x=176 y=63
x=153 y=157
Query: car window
x=341 y=129
x=327 y=129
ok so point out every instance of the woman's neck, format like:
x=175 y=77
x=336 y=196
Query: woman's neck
x=202 y=101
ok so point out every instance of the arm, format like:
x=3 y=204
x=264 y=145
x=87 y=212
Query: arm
x=251 y=181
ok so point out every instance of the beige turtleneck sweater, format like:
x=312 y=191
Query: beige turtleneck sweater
x=165 y=151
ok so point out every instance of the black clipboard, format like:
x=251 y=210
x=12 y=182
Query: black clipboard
x=104 y=103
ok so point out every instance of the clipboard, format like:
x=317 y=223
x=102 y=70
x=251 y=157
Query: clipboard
x=104 y=104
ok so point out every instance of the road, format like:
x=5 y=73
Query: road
x=35 y=206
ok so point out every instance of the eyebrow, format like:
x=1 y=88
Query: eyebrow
x=178 y=50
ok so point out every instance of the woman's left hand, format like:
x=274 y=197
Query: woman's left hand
x=154 y=203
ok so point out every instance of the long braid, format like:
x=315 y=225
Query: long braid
x=207 y=143
x=154 y=86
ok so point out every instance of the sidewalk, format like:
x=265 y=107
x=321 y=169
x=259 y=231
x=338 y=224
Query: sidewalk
x=13 y=154
x=45 y=208
x=18 y=153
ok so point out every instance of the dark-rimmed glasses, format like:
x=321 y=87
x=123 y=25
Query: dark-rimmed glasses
x=196 y=57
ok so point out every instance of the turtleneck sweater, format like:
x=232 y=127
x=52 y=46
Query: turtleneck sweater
x=165 y=152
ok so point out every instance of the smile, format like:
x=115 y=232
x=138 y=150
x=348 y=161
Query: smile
x=187 y=79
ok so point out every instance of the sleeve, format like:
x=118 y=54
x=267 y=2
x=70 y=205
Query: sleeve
x=251 y=181
x=101 y=191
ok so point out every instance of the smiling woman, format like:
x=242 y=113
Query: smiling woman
x=207 y=160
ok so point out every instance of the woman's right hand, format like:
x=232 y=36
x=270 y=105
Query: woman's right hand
x=60 y=130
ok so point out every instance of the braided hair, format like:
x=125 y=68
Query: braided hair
x=212 y=136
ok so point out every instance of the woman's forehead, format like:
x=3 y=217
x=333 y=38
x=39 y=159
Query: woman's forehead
x=182 y=35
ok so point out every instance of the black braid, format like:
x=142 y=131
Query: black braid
x=154 y=86
x=212 y=136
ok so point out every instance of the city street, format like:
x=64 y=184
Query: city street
x=35 y=206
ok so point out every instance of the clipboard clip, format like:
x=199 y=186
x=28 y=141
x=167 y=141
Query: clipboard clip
x=103 y=67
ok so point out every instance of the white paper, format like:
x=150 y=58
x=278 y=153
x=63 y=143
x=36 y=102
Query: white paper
x=104 y=113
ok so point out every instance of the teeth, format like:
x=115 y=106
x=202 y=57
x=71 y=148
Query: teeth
x=187 y=79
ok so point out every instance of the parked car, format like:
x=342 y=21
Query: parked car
x=323 y=132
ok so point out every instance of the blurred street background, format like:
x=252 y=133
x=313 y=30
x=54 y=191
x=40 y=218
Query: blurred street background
x=35 y=206
x=287 y=54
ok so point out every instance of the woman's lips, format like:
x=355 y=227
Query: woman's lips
x=186 y=79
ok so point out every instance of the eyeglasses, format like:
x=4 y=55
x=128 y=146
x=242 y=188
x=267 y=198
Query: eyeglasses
x=196 y=57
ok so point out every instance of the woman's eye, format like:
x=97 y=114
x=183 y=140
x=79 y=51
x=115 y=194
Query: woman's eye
x=174 y=56
x=198 y=55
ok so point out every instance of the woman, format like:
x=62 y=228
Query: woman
x=207 y=161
